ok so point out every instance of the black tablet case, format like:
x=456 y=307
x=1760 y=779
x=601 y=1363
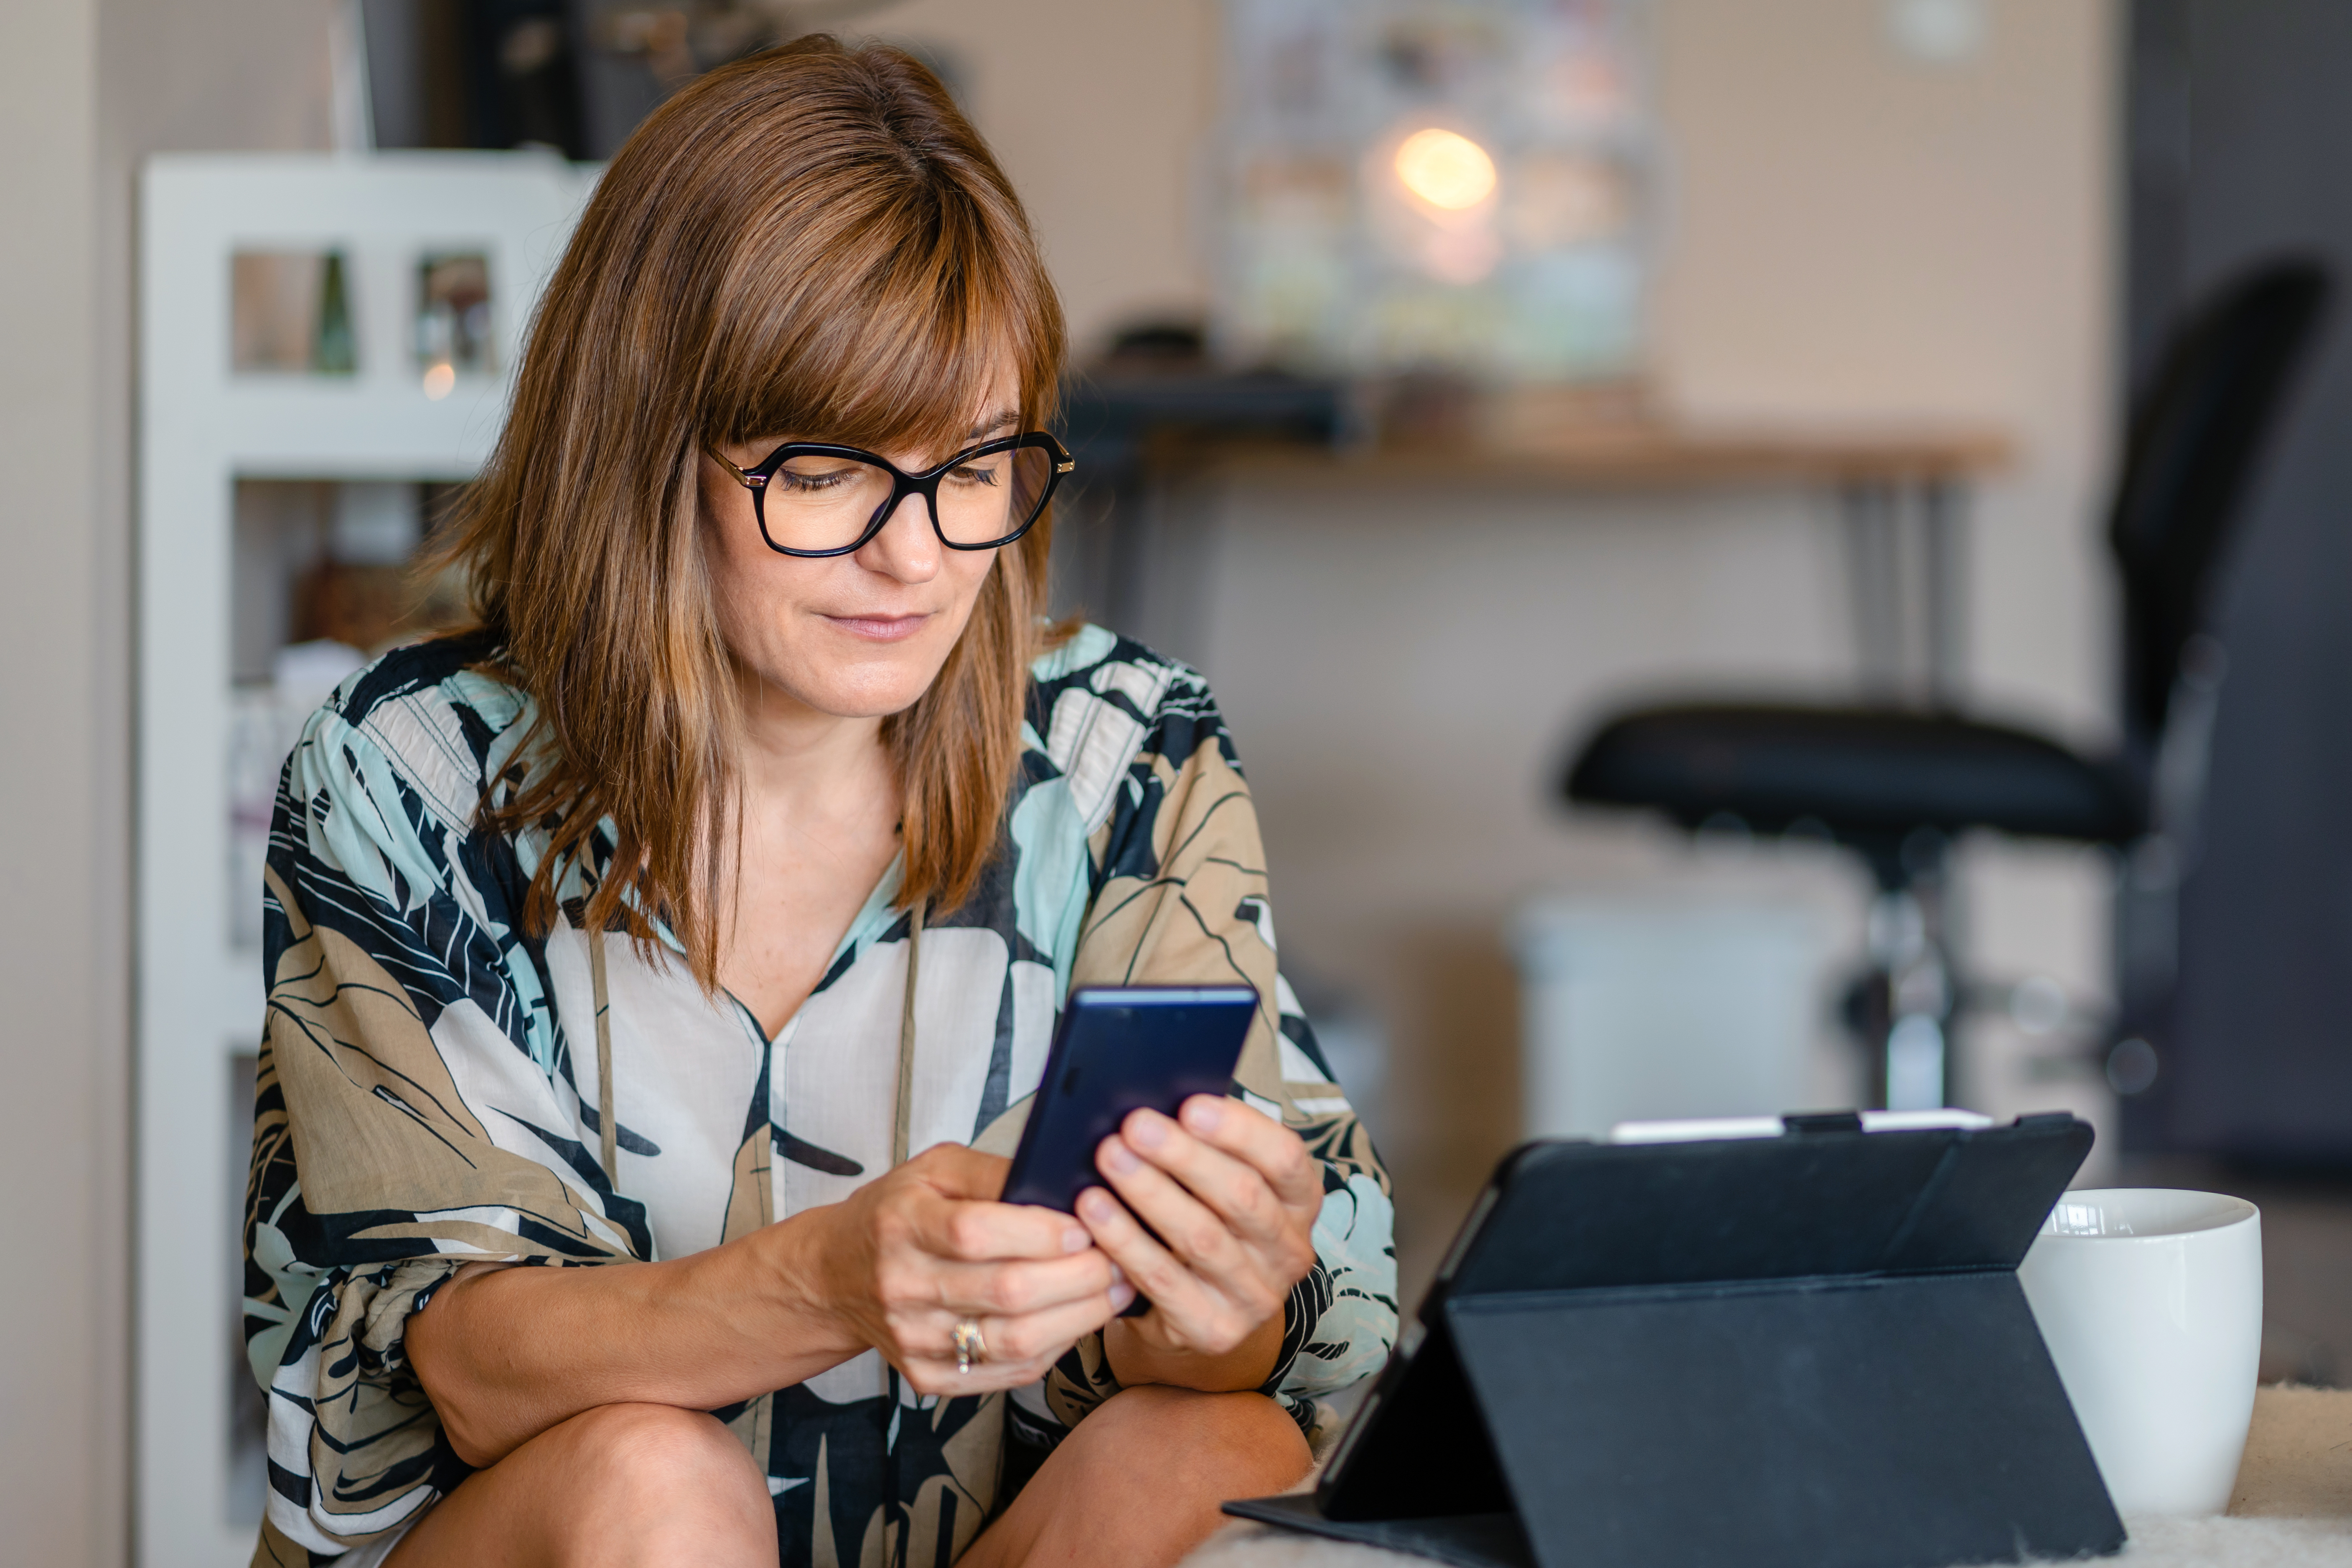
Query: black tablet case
x=1802 y=1352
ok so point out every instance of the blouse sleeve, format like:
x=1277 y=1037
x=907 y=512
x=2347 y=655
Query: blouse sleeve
x=413 y=1116
x=1179 y=895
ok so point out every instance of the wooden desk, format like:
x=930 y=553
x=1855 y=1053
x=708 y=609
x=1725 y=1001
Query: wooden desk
x=1903 y=494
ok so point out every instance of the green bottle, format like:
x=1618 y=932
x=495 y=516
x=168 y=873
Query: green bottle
x=332 y=352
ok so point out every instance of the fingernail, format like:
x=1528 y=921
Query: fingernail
x=1117 y=1275
x=1145 y=1127
x=1121 y=1295
x=1075 y=1240
x=1202 y=1114
x=1094 y=1204
x=1120 y=1158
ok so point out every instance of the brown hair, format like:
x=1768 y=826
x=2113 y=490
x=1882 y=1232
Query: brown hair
x=810 y=241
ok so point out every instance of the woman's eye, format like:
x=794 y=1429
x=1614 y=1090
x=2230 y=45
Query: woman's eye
x=807 y=484
x=977 y=473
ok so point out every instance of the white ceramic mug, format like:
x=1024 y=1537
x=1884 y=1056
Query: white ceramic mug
x=2151 y=1302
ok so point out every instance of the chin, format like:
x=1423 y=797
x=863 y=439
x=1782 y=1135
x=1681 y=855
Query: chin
x=871 y=688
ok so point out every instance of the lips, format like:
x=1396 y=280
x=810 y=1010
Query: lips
x=880 y=628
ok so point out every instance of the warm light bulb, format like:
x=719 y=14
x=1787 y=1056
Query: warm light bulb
x=1445 y=170
x=439 y=379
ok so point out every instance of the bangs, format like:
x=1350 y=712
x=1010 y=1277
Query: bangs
x=920 y=315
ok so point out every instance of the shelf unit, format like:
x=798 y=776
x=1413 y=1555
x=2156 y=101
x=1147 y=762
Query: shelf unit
x=203 y=426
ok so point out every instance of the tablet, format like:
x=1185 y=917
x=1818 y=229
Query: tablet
x=1814 y=1329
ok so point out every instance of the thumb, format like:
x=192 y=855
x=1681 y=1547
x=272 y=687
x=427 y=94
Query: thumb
x=957 y=1172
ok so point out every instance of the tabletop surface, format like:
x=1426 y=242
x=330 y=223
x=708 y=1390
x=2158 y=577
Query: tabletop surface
x=2293 y=1508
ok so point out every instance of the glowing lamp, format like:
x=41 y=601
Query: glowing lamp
x=1448 y=171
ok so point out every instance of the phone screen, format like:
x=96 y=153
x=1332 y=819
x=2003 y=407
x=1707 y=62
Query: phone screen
x=1116 y=1049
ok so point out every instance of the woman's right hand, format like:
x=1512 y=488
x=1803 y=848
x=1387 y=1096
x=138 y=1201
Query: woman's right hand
x=918 y=1250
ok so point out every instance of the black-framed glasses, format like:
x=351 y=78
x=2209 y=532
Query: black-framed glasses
x=816 y=498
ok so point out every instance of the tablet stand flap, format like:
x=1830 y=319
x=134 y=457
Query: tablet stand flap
x=1887 y=1422
x=1989 y=1194
x=1574 y=1217
x=1419 y=1446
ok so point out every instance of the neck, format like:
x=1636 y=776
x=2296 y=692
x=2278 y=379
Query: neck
x=796 y=757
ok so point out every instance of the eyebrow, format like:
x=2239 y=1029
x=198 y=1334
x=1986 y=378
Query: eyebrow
x=980 y=432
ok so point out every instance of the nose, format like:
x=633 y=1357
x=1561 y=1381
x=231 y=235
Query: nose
x=907 y=547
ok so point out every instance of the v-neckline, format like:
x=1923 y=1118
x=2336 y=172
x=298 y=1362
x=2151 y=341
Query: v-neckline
x=873 y=917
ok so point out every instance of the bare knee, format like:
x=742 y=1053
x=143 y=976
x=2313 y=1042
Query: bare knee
x=1234 y=1445
x=655 y=1449
x=643 y=1485
x=1138 y=1482
x=671 y=1481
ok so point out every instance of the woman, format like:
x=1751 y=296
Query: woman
x=747 y=847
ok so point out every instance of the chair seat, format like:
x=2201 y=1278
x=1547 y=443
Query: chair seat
x=1862 y=773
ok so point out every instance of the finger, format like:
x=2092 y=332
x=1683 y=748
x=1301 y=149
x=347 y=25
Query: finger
x=928 y=1375
x=1013 y=1351
x=972 y=1231
x=1250 y=1135
x=958 y=1172
x=1191 y=1230
x=1014 y=1290
x=1235 y=1190
x=1041 y=1336
x=1163 y=1278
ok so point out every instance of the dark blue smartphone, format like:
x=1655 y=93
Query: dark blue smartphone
x=1117 y=1048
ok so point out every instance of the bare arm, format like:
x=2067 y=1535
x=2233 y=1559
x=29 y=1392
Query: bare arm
x=505 y=1353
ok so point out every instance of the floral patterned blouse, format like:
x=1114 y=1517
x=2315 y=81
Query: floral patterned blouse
x=428 y=1092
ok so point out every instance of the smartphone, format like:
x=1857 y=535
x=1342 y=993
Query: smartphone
x=1117 y=1048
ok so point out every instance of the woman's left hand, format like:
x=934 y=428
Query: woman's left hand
x=1233 y=1194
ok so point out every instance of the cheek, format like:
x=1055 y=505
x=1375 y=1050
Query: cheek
x=751 y=588
x=970 y=574
x=745 y=579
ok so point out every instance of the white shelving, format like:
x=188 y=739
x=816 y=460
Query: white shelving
x=203 y=428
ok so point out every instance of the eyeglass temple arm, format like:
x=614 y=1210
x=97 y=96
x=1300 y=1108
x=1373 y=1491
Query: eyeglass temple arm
x=749 y=481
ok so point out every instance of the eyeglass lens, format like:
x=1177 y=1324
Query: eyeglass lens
x=816 y=503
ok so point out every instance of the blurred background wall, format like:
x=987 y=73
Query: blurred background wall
x=87 y=89
x=62 y=1330
x=1851 y=235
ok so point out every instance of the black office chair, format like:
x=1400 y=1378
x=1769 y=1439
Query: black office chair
x=1895 y=785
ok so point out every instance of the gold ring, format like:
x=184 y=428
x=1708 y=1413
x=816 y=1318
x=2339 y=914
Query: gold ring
x=969 y=1346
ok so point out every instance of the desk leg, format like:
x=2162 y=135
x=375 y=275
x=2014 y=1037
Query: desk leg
x=1138 y=555
x=1943 y=520
x=1126 y=536
x=1103 y=547
x=1081 y=570
x=1874 y=585
x=1906 y=570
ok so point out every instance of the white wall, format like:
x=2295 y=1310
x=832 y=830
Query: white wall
x=1096 y=108
x=1856 y=236
x=87 y=88
x=60 y=931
